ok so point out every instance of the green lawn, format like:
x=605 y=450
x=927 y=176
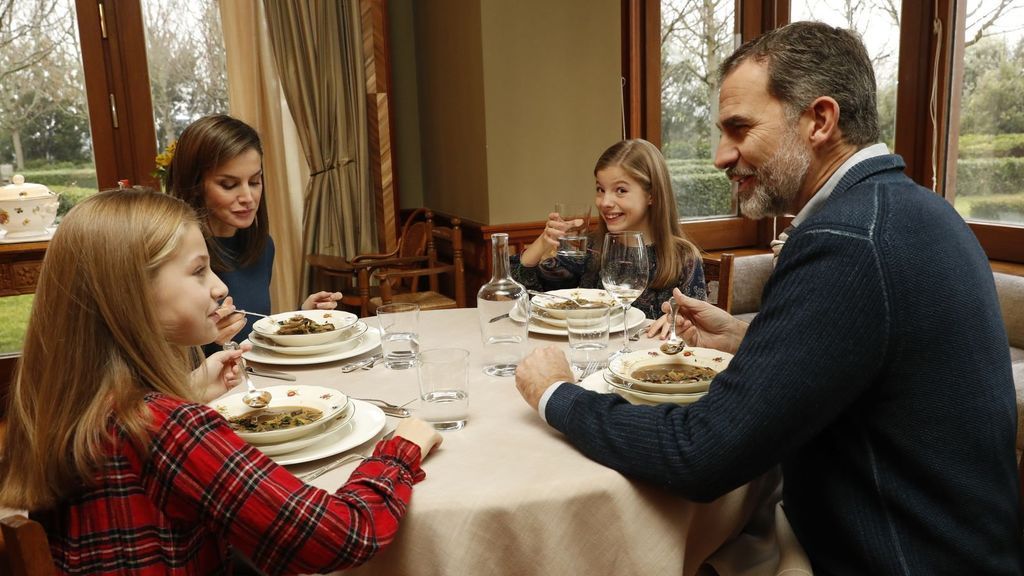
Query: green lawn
x=14 y=310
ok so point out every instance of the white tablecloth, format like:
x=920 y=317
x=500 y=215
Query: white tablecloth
x=509 y=495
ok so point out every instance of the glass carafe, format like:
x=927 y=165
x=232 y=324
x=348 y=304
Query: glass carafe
x=504 y=308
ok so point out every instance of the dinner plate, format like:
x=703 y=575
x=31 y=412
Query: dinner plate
x=349 y=341
x=328 y=401
x=333 y=426
x=634 y=318
x=540 y=316
x=367 y=422
x=367 y=342
x=623 y=366
x=598 y=383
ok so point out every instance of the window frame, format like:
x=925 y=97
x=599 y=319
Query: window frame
x=914 y=136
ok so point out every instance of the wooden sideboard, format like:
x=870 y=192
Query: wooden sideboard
x=19 y=267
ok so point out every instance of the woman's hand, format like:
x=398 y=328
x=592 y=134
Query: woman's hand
x=322 y=301
x=547 y=242
x=230 y=323
x=218 y=373
x=701 y=324
x=419 y=433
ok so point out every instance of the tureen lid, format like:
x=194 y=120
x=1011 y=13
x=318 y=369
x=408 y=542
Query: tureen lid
x=18 y=188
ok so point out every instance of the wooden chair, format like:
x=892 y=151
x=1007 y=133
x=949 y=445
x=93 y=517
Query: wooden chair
x=355 y=273
x=718 y=275
x=24 y=550
x=444 y=256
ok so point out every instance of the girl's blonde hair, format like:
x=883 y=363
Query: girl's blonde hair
x=94 y=346
x=643 y=162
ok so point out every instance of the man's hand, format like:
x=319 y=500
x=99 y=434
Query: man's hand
x=705 y=325
x=539 y=370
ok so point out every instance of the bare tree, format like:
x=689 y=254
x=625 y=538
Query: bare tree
x=35 y=65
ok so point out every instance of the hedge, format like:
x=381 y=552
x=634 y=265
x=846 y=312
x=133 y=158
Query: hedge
x=76 y=177
x=991 y=145
x=702 y=194
x=999 y=209
x=989 y=176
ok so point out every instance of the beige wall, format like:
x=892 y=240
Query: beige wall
x=516 y=102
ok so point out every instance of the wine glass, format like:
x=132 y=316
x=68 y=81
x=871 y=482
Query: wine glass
x=624 y=272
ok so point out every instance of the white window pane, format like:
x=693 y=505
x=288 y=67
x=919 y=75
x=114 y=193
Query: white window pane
x=990 y=162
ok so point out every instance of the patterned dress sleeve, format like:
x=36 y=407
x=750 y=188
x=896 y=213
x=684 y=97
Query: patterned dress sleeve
x=202 y=472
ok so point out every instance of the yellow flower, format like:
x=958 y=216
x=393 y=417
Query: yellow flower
x=163 y=161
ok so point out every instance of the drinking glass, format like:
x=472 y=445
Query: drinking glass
x=444 y=397
x=624 y=272
x=399 y=338
x=574 y=243
x=588 y=335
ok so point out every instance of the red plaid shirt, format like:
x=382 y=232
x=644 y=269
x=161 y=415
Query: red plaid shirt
x=202 y=488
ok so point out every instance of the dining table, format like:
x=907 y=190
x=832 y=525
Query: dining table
x=509 y=495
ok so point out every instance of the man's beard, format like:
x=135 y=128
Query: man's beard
x=778 y=179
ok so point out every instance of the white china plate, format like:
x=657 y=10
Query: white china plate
x=358 y=329
x=634 y=318
x=338 y=423
x=367 y=342
x=623 y=366
x=597 y=383
x=544 y=302
x=367 y=422
x=329 y=401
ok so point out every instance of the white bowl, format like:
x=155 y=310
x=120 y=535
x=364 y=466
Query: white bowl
x=268 y=327
x=328 y=401
x=552 y=307
x=26 y=209
x=626 y=367
x=649 y=398
x=348 y=340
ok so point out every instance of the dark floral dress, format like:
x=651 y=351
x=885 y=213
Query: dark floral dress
x=563 y=272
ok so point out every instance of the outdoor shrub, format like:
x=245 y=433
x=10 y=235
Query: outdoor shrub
x=991 y=145
x=77 y=177
x=69 y=196
x=1000 y=209
x=989 y=176
x=702 y=194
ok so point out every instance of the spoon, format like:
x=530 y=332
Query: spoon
x=247 y=313
x=253 y=398
x=674 y=344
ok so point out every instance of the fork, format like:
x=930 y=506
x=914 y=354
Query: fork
x=331 y=466
x=590 y=368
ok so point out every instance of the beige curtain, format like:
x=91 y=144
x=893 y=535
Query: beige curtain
x=317 y=47
x=255 y=96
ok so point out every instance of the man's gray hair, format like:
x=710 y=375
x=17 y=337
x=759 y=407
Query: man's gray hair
x=807 y=60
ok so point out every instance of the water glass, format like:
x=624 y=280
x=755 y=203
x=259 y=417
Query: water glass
x=444 y=394
x=574 y=243
x=588 y=335
x=400 y=337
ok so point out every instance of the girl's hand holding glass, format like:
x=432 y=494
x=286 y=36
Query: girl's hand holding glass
x=547 y=243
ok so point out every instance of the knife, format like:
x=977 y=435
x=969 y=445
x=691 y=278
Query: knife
x=270 y=374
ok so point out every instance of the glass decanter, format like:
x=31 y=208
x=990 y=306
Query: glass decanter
x=504 y=308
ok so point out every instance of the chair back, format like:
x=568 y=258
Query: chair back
x=24 y=550
x=718 y=275
x=414 y=241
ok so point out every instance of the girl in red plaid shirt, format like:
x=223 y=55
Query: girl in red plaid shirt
x=108 y=447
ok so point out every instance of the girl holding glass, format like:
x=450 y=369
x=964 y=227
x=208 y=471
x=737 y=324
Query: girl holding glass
x=633 y=193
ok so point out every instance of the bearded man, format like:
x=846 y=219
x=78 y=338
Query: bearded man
x=877 y=372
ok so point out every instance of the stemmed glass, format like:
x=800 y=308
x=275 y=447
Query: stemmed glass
x=624 y=272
